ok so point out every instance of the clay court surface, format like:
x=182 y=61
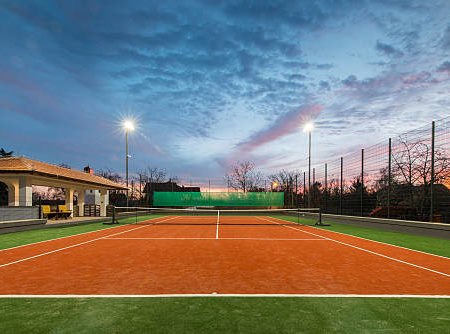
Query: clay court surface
x=262 y=257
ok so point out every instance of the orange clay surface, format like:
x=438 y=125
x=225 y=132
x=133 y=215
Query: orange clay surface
x=228 y=259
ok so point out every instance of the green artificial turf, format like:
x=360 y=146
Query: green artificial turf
x=14 y=239
x=225 y=315
x=431 y=245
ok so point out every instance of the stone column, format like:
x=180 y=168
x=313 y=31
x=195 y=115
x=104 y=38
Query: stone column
x=13 y=192
x=81 y=194
x=104 y=201
x=69 y=199
x=25 y=191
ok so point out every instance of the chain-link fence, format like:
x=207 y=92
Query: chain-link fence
x=406 y=177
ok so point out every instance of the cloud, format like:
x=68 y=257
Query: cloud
x=444 y=67
x=446 y=38
x=324 y=85
x=284 y=125
x=388 y=50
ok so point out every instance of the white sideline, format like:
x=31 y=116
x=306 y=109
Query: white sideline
x=218 y=295
x=363 y=249
x=73 y=235
x=75 y=245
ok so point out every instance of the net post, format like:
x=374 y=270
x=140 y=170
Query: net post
x=113 y=220
x=319 y=222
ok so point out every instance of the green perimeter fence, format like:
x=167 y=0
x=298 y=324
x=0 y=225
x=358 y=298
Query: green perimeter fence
x=254 y=199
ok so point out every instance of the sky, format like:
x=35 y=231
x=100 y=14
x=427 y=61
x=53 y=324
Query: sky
x=209 y=83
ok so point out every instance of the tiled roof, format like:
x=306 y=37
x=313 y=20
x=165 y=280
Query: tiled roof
x=21 y=164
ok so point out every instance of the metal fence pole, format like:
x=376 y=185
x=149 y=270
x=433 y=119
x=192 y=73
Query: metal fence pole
x=432 y=171
x=342 y=187
x=304 y=189
x=389 y=180
x=326 y=188
x=362 y=181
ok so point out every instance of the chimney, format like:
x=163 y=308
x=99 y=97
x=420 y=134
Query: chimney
x=88 y=170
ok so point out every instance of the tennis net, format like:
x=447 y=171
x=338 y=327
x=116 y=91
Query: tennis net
x=199 y=216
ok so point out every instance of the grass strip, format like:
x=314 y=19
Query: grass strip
x=15 y=239
x=225 y=315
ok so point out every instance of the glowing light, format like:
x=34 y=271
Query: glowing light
x=275 y=185
x=128 y=125
x=308 y=127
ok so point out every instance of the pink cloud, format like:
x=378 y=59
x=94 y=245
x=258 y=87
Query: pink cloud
x=285 y=125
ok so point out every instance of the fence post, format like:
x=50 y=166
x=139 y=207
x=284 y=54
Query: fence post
x=326 y=188
x=340 y=195
x=389 y=180
x=432 y=172
x=304 y=189
x=362 y=181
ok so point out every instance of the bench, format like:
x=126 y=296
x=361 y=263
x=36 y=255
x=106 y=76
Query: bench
x=48 y=213
x=62 y=211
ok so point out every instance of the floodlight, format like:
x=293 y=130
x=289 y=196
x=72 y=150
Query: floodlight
x=308 y=127
x=128 y=125
x=275 y=185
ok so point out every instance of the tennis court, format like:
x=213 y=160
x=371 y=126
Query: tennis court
x=259 y=253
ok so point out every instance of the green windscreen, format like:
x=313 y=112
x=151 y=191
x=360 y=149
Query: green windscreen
x=218 y=199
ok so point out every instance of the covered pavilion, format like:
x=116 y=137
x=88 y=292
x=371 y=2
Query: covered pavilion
x=20 y=174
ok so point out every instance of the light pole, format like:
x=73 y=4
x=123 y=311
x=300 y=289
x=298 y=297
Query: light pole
x=128 y=126
x=308 y=128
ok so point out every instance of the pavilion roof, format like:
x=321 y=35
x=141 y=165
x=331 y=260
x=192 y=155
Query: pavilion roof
x=25 y=165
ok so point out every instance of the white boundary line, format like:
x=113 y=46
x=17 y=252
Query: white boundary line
x=365 y=250
x=214 y=295
x=73 y=235
x=217 y=229
x=194 y=238
x=75 y=245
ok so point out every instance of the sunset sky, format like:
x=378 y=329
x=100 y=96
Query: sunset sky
x=209 y=83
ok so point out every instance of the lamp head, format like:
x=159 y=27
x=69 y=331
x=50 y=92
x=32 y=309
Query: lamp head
x=308 y=127
x=128 y=125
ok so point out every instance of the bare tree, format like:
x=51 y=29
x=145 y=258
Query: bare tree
x=153 y=175
x=108 y=174
x=411 y=173
x=243 y=176
x=285 y=179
